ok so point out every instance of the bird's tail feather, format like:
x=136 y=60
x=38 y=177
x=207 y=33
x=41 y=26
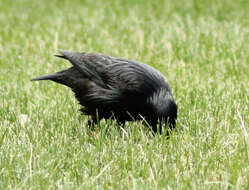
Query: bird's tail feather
x=60 y=56
x=56 y=77
x=47 y=77
x=66 y=77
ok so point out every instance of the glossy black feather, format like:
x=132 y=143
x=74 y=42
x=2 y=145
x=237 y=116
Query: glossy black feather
x=117 y=88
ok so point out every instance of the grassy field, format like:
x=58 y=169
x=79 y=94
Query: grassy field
x=202 y=47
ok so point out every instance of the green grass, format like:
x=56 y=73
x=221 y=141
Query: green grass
x=200 y=46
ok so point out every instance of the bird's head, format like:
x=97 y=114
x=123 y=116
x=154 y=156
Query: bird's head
x=163 y=110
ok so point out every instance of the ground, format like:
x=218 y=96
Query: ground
x=200 y=46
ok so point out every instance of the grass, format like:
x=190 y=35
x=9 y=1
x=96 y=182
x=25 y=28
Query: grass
x=200 y=46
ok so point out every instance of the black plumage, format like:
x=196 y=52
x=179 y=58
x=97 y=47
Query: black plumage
x=110 y=87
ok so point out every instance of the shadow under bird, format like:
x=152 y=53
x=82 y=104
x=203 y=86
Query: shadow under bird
x=111 y=87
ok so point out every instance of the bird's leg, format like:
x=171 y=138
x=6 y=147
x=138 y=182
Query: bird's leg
x=121 y=123
x=92 y=122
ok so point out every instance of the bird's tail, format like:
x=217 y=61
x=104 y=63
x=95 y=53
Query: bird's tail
x=52 y=77
x=66 y=77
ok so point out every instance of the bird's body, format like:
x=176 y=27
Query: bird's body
x=110 y=87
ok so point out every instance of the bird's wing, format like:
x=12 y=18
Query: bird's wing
x=136 y=77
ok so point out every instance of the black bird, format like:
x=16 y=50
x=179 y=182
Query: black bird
x=111 y=87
